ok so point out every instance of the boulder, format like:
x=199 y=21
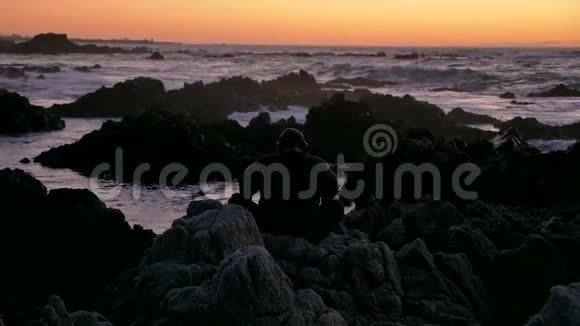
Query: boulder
x=208 y=237
x=562 y=308
x=17 y=115
x=39 y=228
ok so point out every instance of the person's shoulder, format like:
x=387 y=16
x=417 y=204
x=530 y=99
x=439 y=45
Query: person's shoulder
x=268 y=158
x=315 y=159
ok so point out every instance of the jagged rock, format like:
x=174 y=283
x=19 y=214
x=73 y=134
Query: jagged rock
x=25 y=160
x=431 y=221
x=197 y=207
x=458 y=269
x=248 y=288
x=209 y=237
x=394 y=235
x=126 y=98
x=17 y=115
x=428 y=293
x=562 y=308
x=157 y=280
x=56 y=314
x=156 y=56
x=475 y=245
x=558 y=91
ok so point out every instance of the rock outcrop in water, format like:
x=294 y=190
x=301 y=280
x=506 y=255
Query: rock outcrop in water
x=60 y=241
x=460 y=116
x=207 y=102
x=51 y=43
x=130 y=97
x=156 y=56
x=558 y=91
x=531 y=128
x=17 y=115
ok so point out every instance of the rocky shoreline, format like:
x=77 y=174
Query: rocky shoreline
x=428 y=262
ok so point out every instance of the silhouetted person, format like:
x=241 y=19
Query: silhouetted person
x=284 y=207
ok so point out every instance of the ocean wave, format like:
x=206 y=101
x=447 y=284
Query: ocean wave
x=410 y=74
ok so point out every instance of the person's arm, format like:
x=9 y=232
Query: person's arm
x=328 y=184
x=254 y=181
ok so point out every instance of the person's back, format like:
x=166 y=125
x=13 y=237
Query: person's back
x=296 y=189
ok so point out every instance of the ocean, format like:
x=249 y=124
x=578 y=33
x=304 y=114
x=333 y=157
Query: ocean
x=470 y=78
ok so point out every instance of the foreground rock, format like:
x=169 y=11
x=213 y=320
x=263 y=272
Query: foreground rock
x=562 y=307
x=81 y=245
x=17 y=115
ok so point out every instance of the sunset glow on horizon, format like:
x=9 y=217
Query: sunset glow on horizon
x=321 y=22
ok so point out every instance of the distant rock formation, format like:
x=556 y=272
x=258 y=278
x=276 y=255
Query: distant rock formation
x=558 y=91
x=51 y=43
x=359 y=82
x=408 y=56
x=17 y=115
x=156 y=56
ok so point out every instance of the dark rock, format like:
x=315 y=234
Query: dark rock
x=523 y=278
x=208 y=237
x=25 y=160
x=459 y=116
x=429 y=294
x=408 y=56
x=51 y=43
x=12 y=73
x=37 y=229
x=17 y=115
x=41 y=77
x=42 y=69
x=197 y=207
x=558 y=91
x=127 y=98
x=562 y=307
x=431 y=221
x=156 y=56
x=508 y=95
x=82 y=69
x=521 y=103
x=360 y=82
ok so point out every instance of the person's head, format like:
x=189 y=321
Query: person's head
x=292 y=139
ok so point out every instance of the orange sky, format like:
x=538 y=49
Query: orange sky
x=328 y=22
